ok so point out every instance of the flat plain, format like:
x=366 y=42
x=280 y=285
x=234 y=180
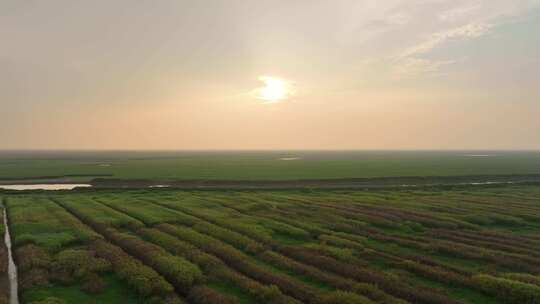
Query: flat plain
x=467 y=244
x=262 y=165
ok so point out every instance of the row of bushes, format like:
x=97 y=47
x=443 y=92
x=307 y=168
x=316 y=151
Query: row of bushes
x=426 y=219
x=484 y=244
x=342 y=254
x=343 y=297
x=252 y=231
x=388 y=284
x=186 y=250
x=294 y=219
x=101 y=213
x=213 y=267
x=40 y=221
x=513 y=241
x=508 y=260
x=233 y=238
x=509 y=291
x=177 y=270
x=147 y=212
x=338 y=282
x=72 y=265
x=143 y=279
x=352 y=218
x=340 y=242
x=241 y=262
x=330 y=238
x=436 y=274
x=523 y=277
x=33 y=264
x=420 y=259
x=219 y=232
x=205 y=295
x=352 y=298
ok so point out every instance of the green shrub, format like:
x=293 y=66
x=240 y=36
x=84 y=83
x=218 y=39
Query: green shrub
x=205 y=295
x=50 y=300
x=79 y=263
x=510 y=291
x=343 y=297
x=93 y=284
x=143 y=279
x=523 y=277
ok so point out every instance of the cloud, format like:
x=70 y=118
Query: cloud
x=471 y=30
x=455 y=14
x=406 y=41
x=408 y=63
x=410 y=67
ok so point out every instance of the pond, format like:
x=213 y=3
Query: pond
x=44 y=186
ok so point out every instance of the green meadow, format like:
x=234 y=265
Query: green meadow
x=276 y=165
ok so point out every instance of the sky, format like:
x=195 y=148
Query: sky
x=280 y=74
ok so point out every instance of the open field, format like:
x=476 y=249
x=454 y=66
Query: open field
x=230 y=166
x=431 y=246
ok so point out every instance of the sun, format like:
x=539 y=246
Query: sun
x=274 y=90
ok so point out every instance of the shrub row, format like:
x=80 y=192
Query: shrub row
x=241 y=262
x=514 y=241
x=436 y=274
x=511 y=261
x=383 y=281
x=523 y=277
x=206 y=295
x=149 y=213
x=509 y=291
x=424 y=260
x=252 y=231
x=33 y=264
x=78 y=264
x=484 y=244
x=343 y=297
x=214 y=268
x=142 y=278
x=338 y=282
x=101 y=213
x=340 y=242
x=40 y=221
x=182 y=273
x=233 y=238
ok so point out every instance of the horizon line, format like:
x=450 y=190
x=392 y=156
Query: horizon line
x=276 y=150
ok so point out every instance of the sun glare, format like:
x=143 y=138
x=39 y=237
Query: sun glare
x=274 y=89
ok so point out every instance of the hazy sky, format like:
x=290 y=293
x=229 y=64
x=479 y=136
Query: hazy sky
x=363 y=74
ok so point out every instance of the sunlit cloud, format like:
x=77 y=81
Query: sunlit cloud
x=274 y=90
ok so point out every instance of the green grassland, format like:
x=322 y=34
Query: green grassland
x=429 y=246
x=83 y=166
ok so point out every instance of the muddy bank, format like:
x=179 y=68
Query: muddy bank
x=346 y=183
x=4 y=262
x=12 y=268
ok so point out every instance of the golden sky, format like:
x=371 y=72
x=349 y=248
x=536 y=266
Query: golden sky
x=291 y=74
